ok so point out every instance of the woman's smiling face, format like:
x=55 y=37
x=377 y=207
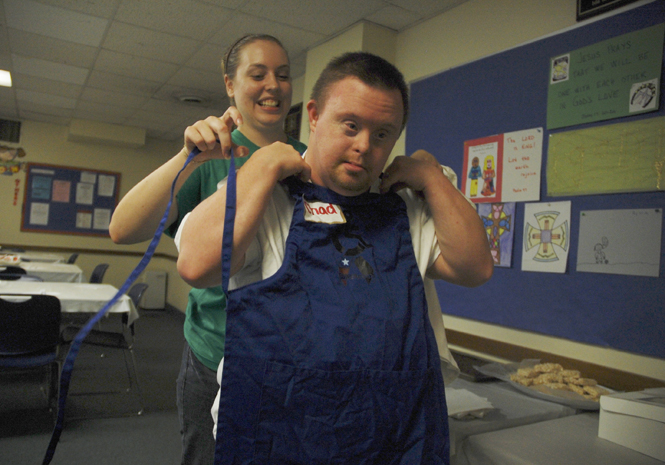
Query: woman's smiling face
x=261 y=86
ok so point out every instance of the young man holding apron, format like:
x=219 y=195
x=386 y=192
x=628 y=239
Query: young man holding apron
x=330 y=355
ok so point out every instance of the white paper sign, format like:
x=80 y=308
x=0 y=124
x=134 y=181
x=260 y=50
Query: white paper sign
x=101 y=218
x=522 y=155
x=39 y=213
x=106 y=186
x=85 y=193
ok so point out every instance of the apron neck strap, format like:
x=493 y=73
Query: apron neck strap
x=229 y=219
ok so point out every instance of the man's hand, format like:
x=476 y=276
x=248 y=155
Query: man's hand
x=414 y=172
x=278 y=158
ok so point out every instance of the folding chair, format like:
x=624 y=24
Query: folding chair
x=122 y=340
x=97 y=275
x=12 y=273
x=30 y=339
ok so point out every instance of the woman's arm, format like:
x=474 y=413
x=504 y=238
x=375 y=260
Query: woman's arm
x=139 y=212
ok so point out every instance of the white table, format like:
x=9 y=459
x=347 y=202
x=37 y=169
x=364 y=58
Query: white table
x=54 y=272
x=571 y=440
x=75 y=297
x=512 y=408
x=40 y=257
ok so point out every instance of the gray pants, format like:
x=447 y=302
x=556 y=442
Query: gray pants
x=196 y=390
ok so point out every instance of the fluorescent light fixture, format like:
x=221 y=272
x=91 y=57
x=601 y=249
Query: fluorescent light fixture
x=5 y=78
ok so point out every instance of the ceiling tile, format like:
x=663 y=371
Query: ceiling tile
x=185 y=18
x=134 y=66
x=117 y=113
x=134 y=40
x=160 y=121
x=213 y=99
x=322 y=16
x=50 y=21
x=229 y=4
x=35 y=107
x=394 y=17
x=7 y=96
x=102 y=8
x=120 y=99
x=294 y=39
x=49 y=69
x=122 y=84
x=42 y=98
x=48 y=86
x=210 y=82
x=44 y=117
x=208 y=58
x=427 y=8
x=8 y=112
x=48 y=48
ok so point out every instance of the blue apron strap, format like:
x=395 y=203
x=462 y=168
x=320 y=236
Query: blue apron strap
x=227 y=249
x=68 y=365
x=229 y=220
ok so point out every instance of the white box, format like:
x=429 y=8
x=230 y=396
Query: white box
x=635 y=420
x=154 y=297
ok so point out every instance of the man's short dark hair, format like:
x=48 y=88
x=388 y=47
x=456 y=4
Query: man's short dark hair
x=370 y=69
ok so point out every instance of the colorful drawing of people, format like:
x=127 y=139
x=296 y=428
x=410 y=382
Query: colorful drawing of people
x=475 y=173
x=488 y=176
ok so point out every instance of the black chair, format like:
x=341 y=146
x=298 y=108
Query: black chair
x=72 y=258
x=12 y=273
x=123 y=340
x=30 y=339
x=97 y=275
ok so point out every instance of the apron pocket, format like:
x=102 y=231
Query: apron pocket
x=311 y=417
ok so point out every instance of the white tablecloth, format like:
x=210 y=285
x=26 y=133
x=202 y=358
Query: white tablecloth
x=75 y=297
x=571 y=440
x=512 y=408
x=40 y=257
x=54 y=272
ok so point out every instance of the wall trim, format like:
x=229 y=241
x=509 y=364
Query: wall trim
x=609 y=377
x=70 y=250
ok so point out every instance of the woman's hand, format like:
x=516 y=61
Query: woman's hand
x=212 y=136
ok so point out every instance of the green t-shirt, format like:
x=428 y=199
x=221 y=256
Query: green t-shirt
x=205 y=320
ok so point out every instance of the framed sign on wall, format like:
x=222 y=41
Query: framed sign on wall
x=588 y=8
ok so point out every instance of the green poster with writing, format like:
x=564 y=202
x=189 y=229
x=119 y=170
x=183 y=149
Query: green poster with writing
x=614 y=78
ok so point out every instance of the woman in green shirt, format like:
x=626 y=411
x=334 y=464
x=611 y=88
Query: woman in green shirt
x=258 y=83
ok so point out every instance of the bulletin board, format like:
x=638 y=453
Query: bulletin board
x=68 y=200
x=509 y=92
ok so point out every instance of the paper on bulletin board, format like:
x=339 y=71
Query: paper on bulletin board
x=610 y=79
x=499 y=222
x=546 y=236
x=623 y=242
x=623 y=157
x=504 y=167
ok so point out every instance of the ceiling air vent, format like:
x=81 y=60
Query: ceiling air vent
x=10 y=131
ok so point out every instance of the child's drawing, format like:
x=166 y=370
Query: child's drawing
x=620 y=242
x=547 y=239
x=498 y=219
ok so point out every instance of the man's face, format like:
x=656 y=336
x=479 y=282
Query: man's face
x=352 y=135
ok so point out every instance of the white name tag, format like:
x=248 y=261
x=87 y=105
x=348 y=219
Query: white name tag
x=321 y=212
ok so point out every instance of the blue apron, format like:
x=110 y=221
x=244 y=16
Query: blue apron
x=333 y=359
